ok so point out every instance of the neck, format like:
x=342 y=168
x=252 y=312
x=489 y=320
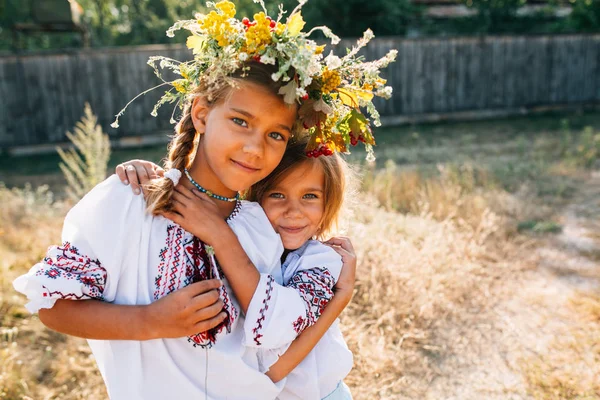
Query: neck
x=225 y=207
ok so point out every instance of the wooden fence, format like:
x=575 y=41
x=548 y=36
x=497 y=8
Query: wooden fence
x=42 y=95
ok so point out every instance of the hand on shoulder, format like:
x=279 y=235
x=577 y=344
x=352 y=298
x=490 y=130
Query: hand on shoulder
x=345 y=284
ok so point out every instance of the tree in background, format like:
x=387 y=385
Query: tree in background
x=134 y=22
x=494 y=16
x=585 y=16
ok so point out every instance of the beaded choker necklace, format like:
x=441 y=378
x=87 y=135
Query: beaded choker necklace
x=208 y=192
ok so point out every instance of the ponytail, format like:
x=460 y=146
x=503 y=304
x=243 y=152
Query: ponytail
x=181 y=149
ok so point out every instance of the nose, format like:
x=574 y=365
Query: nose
x=292 y=209
x=254 y=145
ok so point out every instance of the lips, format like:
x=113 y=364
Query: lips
x=292 y=229
x=245 y=166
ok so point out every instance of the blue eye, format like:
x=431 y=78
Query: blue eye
x=277 y=136
x=276 y=196
x=310 y=196
x=239 y=121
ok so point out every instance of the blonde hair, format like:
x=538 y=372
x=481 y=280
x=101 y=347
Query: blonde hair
x=338 y=181
x=184 y=143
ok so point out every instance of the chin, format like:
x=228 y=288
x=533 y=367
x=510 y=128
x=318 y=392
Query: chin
x=291 y=246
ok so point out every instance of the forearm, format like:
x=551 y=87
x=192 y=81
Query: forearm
x=239 y=269
x=308 y=339
x=95 y=319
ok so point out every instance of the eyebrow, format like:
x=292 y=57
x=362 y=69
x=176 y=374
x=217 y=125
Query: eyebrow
x=249 y=115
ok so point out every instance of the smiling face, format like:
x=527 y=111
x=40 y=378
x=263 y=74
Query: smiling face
x=243 y=138
x=296 y=204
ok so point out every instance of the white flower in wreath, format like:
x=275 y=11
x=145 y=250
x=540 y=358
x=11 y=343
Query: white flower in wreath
x=300 y=92
x=243 y=56
x=289 y=92
x=333 y=62
x=265 y=59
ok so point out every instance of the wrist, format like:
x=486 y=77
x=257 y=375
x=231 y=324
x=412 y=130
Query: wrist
x=146 y=326
x=343 y=296
x=224 y=237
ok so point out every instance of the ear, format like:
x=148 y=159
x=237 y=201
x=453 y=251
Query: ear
x=199 y=113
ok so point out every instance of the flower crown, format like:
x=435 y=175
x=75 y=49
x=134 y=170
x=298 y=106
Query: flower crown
x=329 y=90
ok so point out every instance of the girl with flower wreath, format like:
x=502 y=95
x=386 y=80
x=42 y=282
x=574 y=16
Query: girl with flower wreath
x=160 y=311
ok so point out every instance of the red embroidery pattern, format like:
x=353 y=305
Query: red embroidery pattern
x=300 y=325
x=65 y=263
x=315 y=286
x=184 y=261
x=263 y=310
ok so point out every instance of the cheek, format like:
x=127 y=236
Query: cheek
x=317 y=212
x=271 y=210
x=274 y=156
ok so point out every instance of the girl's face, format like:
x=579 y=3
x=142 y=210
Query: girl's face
x=243 y=137
x=295 y=205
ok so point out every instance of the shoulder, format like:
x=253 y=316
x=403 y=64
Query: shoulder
x=314 y=255
x=249 y=212
x=109 y=206
x=320 y=255
x=316 y=248
x=256 y=235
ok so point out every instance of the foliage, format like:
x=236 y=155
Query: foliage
x=85 y=167
x=581 y=149
x=492 y=15
x=585 y=16
x=135 y=22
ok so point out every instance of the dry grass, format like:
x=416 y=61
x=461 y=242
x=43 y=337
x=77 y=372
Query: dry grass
x=36 y=363
x=418 y=275
x=571 y=367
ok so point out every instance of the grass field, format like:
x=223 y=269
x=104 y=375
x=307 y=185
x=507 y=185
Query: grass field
x=479 y=266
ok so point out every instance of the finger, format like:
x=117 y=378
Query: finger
x=207 y=312
x=205 y=325
x=150 y=170
x=198 y=288
x=343 y=253
x=173 y=216
x=133 y=178
x=343 y=242
x=142 y=173
x=184 y=192
x=205 y=299
x=158 y=170
x=337 y=240
x=203 y=196
x=120 y=171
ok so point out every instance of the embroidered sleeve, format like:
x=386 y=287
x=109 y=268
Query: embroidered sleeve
x=65 y=273
x=315 y=287
x=277 y=314
x=96 y=234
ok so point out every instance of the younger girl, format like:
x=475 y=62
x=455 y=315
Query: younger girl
x=302 y=198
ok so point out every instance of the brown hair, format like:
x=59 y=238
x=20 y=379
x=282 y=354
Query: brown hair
x=336 y=173
x=184 y=142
